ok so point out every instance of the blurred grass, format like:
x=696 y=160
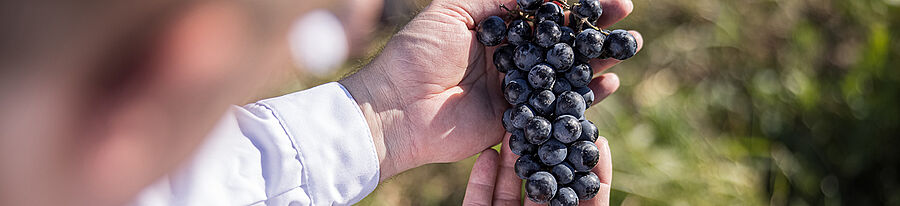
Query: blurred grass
x=755 y=102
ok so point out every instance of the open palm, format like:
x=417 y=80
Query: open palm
x=434 y=89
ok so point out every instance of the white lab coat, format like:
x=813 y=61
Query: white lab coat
x=307 y=148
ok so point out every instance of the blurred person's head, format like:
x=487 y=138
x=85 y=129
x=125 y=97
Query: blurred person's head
x=99 y=98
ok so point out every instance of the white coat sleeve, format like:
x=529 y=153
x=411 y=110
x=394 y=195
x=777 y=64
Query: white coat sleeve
x=307 y=148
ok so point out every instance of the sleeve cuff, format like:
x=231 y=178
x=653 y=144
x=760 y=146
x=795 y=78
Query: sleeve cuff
x=333 y=140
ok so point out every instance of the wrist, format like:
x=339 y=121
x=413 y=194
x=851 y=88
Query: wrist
x=376 y=99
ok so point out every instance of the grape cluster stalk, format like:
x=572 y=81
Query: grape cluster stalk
x=545 y=58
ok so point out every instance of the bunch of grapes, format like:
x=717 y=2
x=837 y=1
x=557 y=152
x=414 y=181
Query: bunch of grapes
x=547 y=74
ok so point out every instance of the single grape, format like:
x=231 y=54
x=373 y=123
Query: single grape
x=528 y=55
x=549 y=11
x=513 y=75
x=583 y=155
x=590 y=43
x=541 y=76
x=519 y=145
x=561 y=57
x=570 y=103
x=537 y=130
x=519 y=32
x=507 y=120
x=563 y=172
x=621 y=45
x=543 y=102
x=568 y=35
x=566 y=128
x=521 y=114
x=526 y=166
x=503 y=58
x=588 y=131
x=590 y=9
x=561 y=85
x=565 y=196
x=552 y=152
x=517 y=91
x=580 y=75
x=491 y=31
x=547 y=34
x=540 y=187
x=585 y=185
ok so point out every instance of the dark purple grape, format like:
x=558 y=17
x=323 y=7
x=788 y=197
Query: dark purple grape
x=519 y=32
x=570 y=103
x=513 y=75
x=568 y=35
x=590 y=43
x=528 y=55
x=491 y=31
x=540 y=187
x=588 y=131
x=521 y=114
x=585 y=185
x=565 y=196
x=590 y=9
x=561 y=57
x=537 y=130
x=519 y=145
x=552 y=152
x=563 y=172
x=547 y=34
x=561 y=85
x=588 y=95
x=503 y=58
x=580 y=75
x=566 y=128
x=583 y=155
x=507 y=120
x=543 y=102
x=620 y=45
x=517 y=91
x=549 y=11
x=541 y=76
x=529 y=5
x=526 y=166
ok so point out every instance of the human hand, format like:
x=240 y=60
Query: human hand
x=493 y=180
x=433 y=94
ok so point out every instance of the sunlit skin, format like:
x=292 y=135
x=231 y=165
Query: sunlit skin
x=431 y=96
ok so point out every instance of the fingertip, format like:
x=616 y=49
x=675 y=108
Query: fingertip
x=603 y=86
x=601 y=65
x=489 y=154
x=614 y=11
x=638 y=38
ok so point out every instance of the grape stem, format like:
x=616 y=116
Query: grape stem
x=513 y=13
x=584 y=20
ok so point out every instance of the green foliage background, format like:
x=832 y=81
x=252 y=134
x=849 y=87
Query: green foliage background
x=749 y=102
